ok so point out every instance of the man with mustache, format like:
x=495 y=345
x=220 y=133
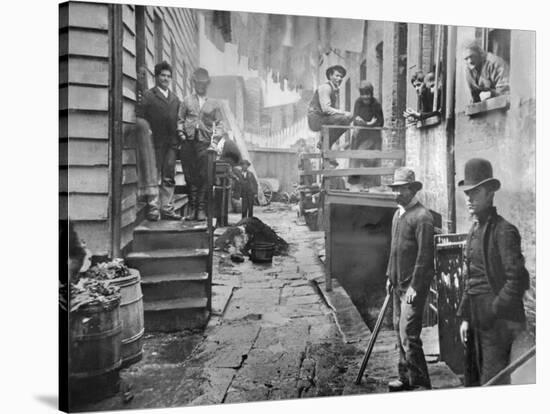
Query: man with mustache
x=495 y=279
x=410 y=271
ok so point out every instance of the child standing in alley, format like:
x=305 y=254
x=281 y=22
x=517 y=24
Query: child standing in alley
x=249 y=189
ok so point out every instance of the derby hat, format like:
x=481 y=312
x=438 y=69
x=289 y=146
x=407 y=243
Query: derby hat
x=245 y=162
x=200 y=75
x=405 y=176
x=339 y=68
x=478 y=171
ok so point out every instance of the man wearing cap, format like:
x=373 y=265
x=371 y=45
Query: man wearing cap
x=495 y=279
x=196 y=120
x=410 y=271
x=159 y=107
x=249 y=189
x=323 y=108
x=367 y=112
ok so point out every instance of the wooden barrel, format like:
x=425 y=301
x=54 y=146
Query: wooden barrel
x=131 y=316
x=94 y=350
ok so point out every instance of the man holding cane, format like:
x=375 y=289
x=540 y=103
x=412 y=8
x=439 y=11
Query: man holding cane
x=410 y=271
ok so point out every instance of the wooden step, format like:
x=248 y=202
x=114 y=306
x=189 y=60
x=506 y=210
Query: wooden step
x=172 y=286
x=166 y=234
x=176 y=314
x=169 y=261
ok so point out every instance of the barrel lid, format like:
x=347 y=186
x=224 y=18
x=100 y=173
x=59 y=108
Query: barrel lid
x=132 y=278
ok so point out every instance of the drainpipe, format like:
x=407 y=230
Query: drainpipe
x=450 y=128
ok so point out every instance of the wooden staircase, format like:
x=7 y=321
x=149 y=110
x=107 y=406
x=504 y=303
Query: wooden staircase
x=175 y=262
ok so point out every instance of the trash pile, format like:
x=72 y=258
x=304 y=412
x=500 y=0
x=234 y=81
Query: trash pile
x=92 y=287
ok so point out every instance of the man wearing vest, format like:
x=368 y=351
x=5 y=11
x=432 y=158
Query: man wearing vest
x=410 y=271
x=323 y=108
x=495 y=280
x=196 y=120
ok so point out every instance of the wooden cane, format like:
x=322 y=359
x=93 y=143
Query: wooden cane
x=373 y=337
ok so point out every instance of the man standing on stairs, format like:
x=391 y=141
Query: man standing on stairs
x=159 y=107
x=197 y=118
x=410 y=271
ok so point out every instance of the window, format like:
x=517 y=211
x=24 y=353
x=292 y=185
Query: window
x=430 y=85
x=496 y=41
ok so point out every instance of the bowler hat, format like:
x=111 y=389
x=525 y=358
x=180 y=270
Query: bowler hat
x=405 y=176
x=478 y=171
x=339 y=68
x=201 y=75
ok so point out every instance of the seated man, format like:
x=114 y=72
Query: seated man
x=323 y=108
x=486 y=74
x=425 y=89
x=367 y=112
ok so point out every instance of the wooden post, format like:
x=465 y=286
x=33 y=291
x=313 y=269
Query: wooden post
x=325 y=136
x=211 y=165
x=115 y=125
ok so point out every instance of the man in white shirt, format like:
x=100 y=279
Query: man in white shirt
x=323 y=108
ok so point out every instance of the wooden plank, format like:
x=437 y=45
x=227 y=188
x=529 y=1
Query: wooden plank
x=86 y=43
x=128 y=217
x=128 y=156
x=96 y=234
x=361 y=199
x=343 y=172
x=84 y=125
x=129 y=17
x=366 y=154
x=89 y=15
x=84 y=98
x=129 y=41
x=84 y=206
x=499 y=102
x=130 y=200
x=129 y=65
x=129 y=174
x=84 y=179
x=85 y=70
x=128 y=111
x=83 y=152
x=63 y=15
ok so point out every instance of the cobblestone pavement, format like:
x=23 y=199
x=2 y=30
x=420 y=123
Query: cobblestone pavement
x=275 y=334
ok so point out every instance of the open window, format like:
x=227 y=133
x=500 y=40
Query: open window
x=496 y=42
x=430 y=82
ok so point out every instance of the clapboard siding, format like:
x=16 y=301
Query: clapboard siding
x=84 y=71
x=85 y=43
x=98 y=236
x=84 y=152
x=84 y=207
x=89 y=15
x=93 y=125
x=85 y=179
x=85 y=98
x=84 y=172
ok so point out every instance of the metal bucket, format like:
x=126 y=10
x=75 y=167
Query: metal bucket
x=262 y=252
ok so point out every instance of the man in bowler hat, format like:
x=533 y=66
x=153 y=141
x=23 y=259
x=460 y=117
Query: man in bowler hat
x=249 y=189
x=410 y=271
x=197 y=118
x=495 y=279
x=324 y=106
